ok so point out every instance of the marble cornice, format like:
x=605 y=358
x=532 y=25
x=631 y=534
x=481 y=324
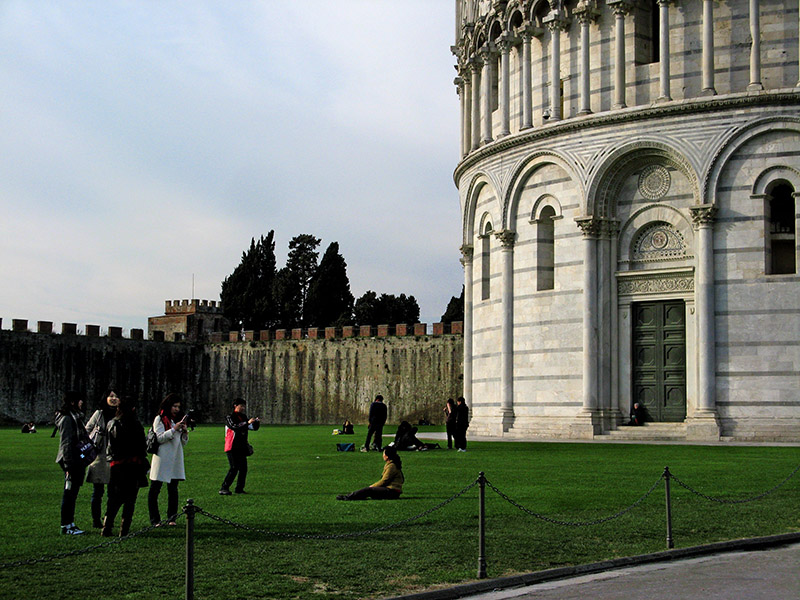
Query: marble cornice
x=626 y=115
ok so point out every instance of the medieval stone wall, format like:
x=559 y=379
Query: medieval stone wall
x=286 y=382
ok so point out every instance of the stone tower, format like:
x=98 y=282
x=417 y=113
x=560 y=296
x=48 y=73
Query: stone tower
x=628 y=185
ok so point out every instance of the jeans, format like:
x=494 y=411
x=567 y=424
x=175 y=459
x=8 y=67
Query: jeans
x=172 y=500
x=73 y=479
x=378 y=493
x=378 y=431
x=122 y=491
x=97 y=502
x=238 y=465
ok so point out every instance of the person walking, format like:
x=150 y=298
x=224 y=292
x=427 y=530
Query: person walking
x=99 y=472
x=450 y=421
x=69 y=422
x=390 y=485
x=128 y=465
x=171 y=431
x=461 y=425
x=237 y=426
x=377 y=419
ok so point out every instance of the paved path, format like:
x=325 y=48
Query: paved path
x=757 y=575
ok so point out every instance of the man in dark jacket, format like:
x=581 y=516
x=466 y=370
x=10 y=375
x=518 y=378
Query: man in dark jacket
x=462 y=423
x=377 y=419
x=237 y=449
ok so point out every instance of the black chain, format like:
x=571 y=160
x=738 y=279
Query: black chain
x=334 y=536
x=575 y=523
x=727 y=501
x=79 y=551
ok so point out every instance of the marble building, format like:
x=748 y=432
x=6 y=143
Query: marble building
x=628 y=182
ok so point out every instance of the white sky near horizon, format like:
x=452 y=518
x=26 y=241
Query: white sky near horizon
x=144 y=143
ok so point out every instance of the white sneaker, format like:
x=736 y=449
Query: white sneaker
x=71 y=529
x=462 y=449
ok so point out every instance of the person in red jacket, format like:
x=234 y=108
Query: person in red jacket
x=237 y=425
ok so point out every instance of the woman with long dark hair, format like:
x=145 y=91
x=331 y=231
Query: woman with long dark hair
x=69 y=422
x=99 y=473
x=390 y=485
x=128 y=461
x=171 y=430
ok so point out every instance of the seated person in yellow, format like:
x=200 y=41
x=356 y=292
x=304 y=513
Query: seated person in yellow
x=391 y=484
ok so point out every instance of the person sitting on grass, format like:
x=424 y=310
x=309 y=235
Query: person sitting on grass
x=391 y=484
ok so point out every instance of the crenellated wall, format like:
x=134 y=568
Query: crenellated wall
x=284 y=381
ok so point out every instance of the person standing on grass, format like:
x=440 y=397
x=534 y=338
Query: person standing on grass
x=462 y=424
x=99 y=472
x=450 y=421
x=171 y=431
x=377 y=419
x=391 y=482
x=69 y=422
x=128 y=457
x=237 y=425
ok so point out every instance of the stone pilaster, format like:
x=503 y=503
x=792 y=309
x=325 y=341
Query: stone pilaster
x=586 y=13
x=467 y=253
x=663 y=51
x=703 y=423
x=755 y=48
x=556 y=23
x=527 y=101
x=708 y=48
x=504 y=46
x=621 y=8
x=506 y=239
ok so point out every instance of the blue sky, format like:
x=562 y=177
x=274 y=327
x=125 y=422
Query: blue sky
x=145 y=142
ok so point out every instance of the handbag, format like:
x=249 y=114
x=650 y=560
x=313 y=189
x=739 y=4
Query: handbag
x=152 y=442
x=250 y=450
x=85 y=450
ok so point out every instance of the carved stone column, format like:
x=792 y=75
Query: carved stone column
x=556 y=24
x=459 y=83
x=527 y=103
x=506 y=239
x=586 y=13
x=475 y=68
x=703 y=423
x=608 y=314
x=755 y=48
x=591 y=228
x=621 y=8
x=504 y=45
x=663 y=51
x=466 y=260
x=487 y=56
x=467 y=98
x=708 y=48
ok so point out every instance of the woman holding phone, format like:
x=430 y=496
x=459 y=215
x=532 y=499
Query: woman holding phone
x=167 y=466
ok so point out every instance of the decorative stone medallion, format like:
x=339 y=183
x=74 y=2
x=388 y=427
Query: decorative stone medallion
x=654 y=182
x=658 y=241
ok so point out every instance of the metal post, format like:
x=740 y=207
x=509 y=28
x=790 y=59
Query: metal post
x=666 y=475
x=190 y=510
x=482 y=526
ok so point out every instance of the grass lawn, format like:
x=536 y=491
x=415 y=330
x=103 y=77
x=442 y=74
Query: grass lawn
x=296 y=473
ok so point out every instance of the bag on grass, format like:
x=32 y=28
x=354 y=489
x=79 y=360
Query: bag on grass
x=346 y=447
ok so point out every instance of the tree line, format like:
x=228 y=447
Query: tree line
x=308 y=292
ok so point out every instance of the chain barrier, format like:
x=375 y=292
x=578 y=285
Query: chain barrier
x=575 y=523
x=79 y=551
x=334 y=536
x=743 y=501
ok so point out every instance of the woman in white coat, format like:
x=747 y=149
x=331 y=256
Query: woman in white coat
x=167 y=466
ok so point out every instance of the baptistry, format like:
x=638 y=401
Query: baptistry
x=628 y=182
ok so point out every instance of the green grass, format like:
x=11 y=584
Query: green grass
x=295 y=475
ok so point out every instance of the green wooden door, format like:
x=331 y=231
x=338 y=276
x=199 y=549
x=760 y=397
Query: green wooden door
x=659 y=359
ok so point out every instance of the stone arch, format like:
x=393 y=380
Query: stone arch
x=538 y=11
x=645 y=217
x=736 y=140
x=611 y=174
x=773 y=174
x=544 y=201
x=515 y=17
x=528 y=167
x=478 y=182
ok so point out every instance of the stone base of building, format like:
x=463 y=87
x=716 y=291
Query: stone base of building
x=583 y=426
x=760 y=430
x=703 y=427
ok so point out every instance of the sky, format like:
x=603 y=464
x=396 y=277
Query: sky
x=144 y=143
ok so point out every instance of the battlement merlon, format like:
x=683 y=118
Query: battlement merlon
x=184 y=307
